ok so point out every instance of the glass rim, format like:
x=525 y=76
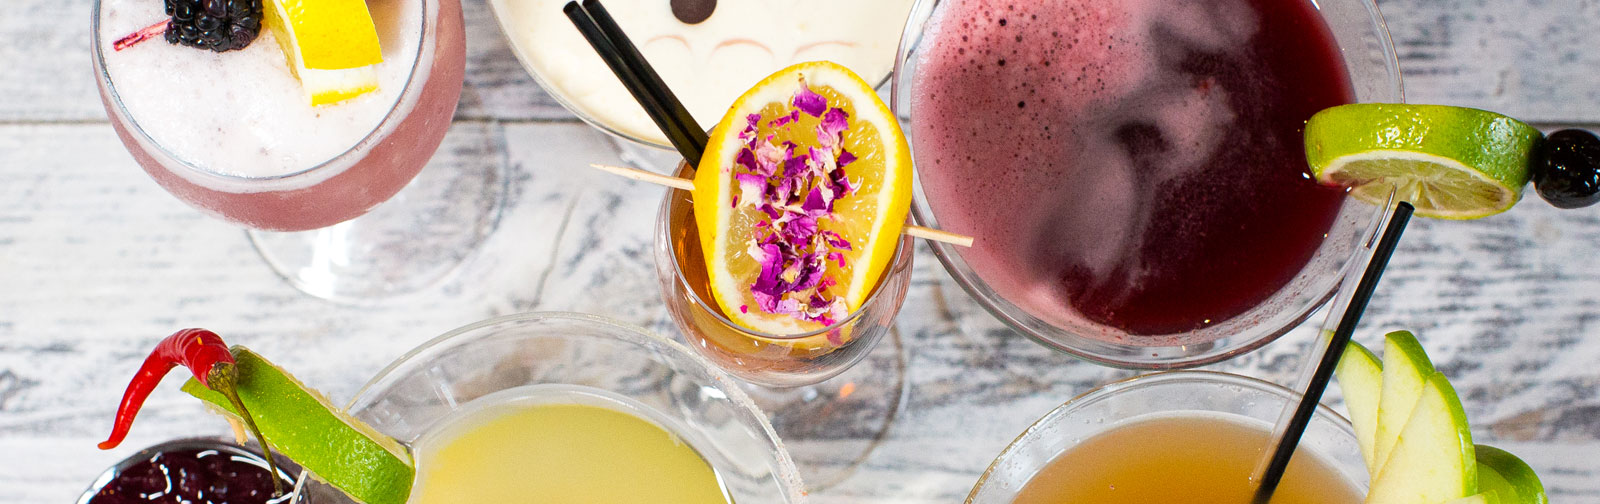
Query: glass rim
x=1145 y=381
x=447 y=337
x=581 y=113
x=899 y=263
x=390 y=119
x=1070 y=341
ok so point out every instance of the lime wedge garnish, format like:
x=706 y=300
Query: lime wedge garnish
x=302 y=425
x=1449 y=162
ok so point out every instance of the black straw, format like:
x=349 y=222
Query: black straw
x=636 y=74
x=647 y=74
x=1330 y=359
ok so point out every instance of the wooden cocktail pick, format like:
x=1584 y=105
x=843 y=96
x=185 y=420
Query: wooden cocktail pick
x=688 y=185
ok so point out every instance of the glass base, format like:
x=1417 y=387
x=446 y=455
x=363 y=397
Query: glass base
x=411 y=242
x=830 y=428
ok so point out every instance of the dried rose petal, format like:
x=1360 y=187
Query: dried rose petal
x=845 y=158
x=767 y=157
x=771 y=211
x=817 y=203
x=796 y=192
x=746 y=159
x=810 y=273
x=748 y=135
x=788 y=307
x=833 y=124
x=840 y=182
x=757 y=252
x=792 y=116
x=824 y=162
x=751 y=187
x=808 y=101
x=837 y=258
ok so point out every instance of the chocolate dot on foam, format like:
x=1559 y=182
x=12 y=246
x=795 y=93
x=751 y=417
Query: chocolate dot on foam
x=693 y=11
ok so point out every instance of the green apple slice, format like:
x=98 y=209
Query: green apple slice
x=1483 y=498
x=1508 y=476
x=1405 y=370
x=1434 y=460
x=1360 y=375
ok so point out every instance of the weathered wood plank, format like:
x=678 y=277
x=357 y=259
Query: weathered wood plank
x=1527 y=58
x=46 y=57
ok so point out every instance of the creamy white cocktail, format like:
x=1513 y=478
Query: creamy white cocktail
x=707 y=52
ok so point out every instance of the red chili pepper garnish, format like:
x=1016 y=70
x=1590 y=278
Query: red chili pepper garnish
x=204 y=353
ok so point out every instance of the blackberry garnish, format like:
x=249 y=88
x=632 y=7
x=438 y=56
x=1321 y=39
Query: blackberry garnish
x=218 y=25
x=1566 y=170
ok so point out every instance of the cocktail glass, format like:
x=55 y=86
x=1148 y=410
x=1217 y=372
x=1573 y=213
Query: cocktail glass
x=322 y=226
x=1368 y=56
x=708 y=64
x=830 y=411
x=1172 y=394
x=408 y=399
x=249 y=453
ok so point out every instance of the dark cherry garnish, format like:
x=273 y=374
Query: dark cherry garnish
x=1566 y=170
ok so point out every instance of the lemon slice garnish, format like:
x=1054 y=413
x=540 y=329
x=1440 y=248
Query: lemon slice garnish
x=875 y=159
x=331 y=46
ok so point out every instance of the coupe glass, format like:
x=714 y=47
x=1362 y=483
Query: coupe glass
x=1109 y=406
x=831 y=411
x=408 y=399
x=312 y=224
x=1369 y=57
x=772 y=43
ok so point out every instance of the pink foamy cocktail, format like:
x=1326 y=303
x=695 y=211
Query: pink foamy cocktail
x=244 y=146
x=1133 y=170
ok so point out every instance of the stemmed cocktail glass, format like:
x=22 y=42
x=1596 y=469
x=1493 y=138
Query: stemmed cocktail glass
x=321 y=223
x=1171 y=396
x=829 y=410
x=501 y=359
x=1367 y=55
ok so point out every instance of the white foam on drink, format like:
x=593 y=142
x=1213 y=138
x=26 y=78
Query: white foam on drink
x=242 y=114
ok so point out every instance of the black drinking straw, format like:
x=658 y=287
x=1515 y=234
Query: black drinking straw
x=639 y=77
x=1330 y=359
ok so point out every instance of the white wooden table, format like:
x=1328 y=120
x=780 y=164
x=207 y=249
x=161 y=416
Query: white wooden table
x=96 y=262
